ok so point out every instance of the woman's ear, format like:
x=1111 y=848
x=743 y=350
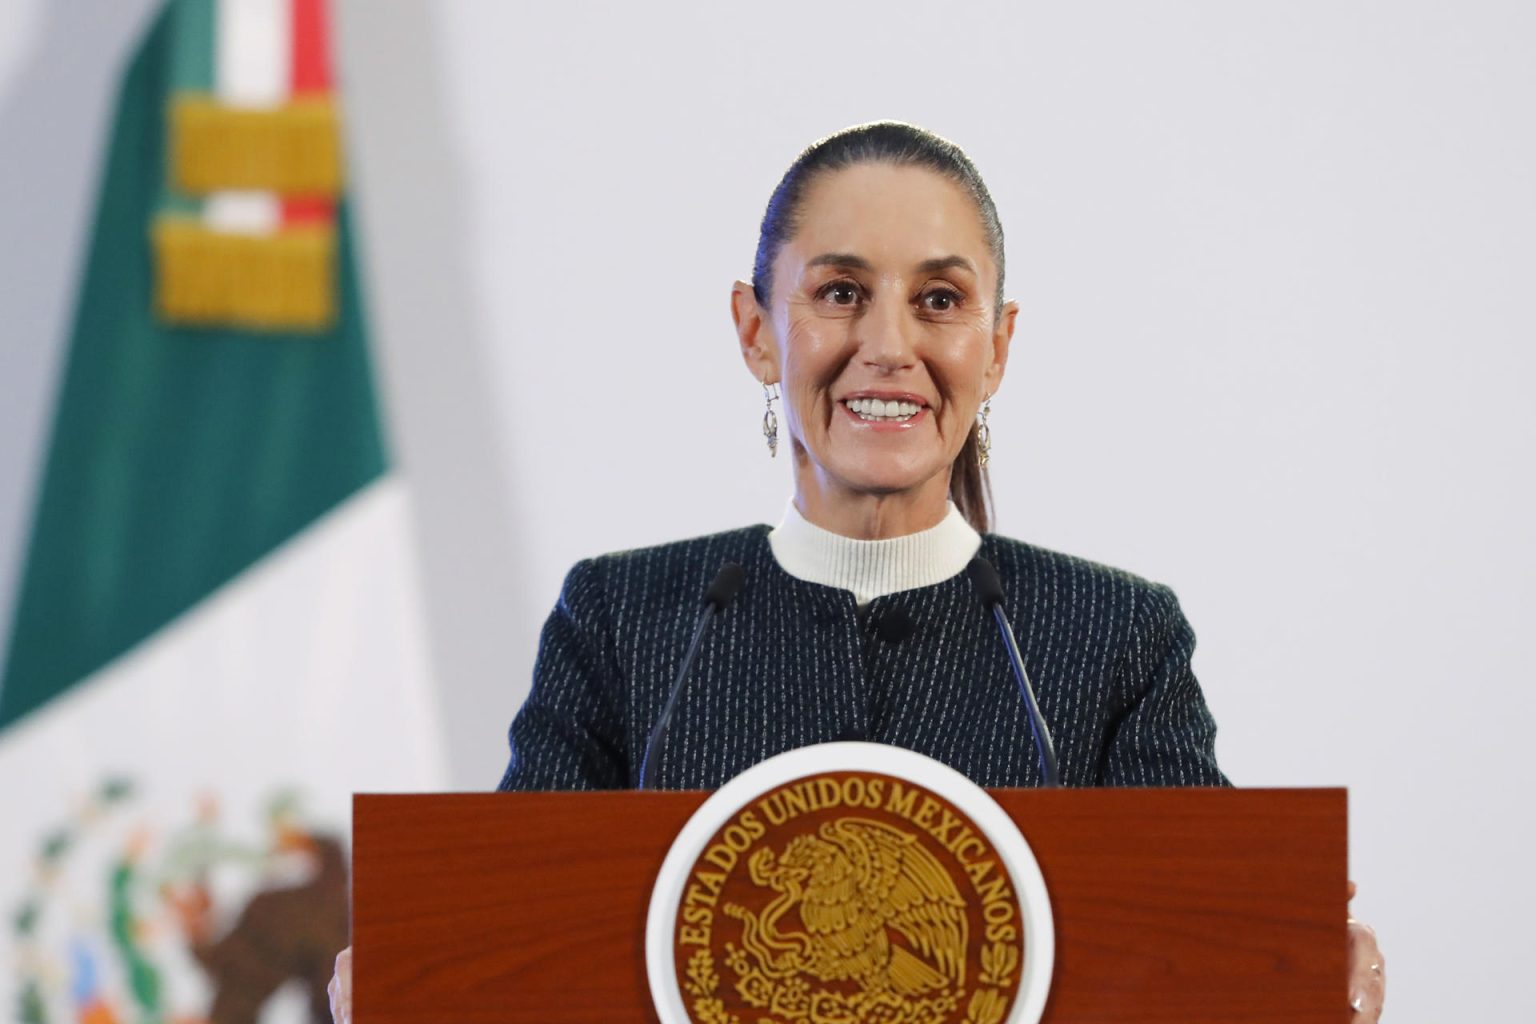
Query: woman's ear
x=754 y=331
x=1002 y=340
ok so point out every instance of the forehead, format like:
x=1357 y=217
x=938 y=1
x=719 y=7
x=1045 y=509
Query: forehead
x=892 y=216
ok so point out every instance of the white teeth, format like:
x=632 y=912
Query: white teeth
x=883 y=409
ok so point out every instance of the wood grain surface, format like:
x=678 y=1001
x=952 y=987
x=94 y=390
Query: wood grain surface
x=1176 y=905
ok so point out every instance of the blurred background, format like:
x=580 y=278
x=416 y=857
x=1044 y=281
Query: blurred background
x=1275 y=264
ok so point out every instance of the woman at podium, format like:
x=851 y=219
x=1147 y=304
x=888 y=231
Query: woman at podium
x=876 y=326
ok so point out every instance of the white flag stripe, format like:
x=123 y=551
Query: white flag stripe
x=253 y=67
x=308 y=671
x=253 y=51
x=244 y=213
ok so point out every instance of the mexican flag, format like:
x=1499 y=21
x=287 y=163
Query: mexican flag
x=217 y=636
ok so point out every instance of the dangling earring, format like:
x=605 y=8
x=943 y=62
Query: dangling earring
x=770 y=420
x=984 y=434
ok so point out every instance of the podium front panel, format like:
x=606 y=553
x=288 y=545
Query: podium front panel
x=1184 y=906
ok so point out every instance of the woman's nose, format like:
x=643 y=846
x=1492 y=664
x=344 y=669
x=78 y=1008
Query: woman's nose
x=886 y=333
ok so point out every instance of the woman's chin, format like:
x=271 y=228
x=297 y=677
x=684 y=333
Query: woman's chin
x=883 y=476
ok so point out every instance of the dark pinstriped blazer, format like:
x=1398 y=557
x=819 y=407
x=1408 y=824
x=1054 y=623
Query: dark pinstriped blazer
x=790 y=663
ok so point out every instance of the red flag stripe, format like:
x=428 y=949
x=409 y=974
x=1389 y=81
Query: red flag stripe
x=311 y=47
x=311 y=63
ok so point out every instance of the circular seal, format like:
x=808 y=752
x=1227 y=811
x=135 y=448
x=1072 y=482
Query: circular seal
x=852 y=883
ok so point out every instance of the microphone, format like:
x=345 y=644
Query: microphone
x=990 y=589
x=720 y=592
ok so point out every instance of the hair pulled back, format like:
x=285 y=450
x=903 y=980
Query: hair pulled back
x=901 y=145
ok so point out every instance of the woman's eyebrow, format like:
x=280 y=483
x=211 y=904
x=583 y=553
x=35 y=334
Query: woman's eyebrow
x=946 y=263
x=852 y=262
x=841 y=259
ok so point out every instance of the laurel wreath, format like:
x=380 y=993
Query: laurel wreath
x=997 y=963
x=703 y=982
x=31 y=1007
x=987 y=1004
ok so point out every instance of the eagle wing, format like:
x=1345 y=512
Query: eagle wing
x=904 y=887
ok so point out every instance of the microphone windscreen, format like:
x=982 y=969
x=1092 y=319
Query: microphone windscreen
x=727 y=583
x=988 y=586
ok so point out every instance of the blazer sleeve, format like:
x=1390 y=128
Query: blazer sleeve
x=569 y=733
x=1167 y=737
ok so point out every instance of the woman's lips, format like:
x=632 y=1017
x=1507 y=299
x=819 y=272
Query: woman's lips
x=882 y=425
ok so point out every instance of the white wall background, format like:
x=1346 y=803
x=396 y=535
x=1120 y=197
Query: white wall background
x=1276 y=264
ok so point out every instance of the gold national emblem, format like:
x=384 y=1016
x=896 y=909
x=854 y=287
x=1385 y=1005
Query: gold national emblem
x=848 y=898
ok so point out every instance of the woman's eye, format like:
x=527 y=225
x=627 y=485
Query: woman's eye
x=940 y=300
x=842 y=293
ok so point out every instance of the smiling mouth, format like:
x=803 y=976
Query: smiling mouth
x=889 y=410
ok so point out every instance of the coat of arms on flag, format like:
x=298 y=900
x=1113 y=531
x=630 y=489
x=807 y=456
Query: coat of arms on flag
x=191 y=920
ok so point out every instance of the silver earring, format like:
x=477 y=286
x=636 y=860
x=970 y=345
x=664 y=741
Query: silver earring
x=984 y=434
x=770 y=421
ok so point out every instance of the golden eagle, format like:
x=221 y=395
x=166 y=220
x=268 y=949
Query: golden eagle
x=875 y=905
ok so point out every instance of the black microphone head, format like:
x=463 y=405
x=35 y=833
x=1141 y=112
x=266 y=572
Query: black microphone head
x=988 y=587
x=725 y=586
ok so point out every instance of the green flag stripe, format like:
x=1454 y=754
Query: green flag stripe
x=192 y=54
x=178 y=456
x=192 y=47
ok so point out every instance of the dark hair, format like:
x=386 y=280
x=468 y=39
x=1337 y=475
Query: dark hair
x=902 y=145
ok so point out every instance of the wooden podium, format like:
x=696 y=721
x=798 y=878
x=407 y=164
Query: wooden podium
x=1175 y=906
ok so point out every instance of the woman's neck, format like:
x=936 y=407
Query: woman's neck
x=873 y=568
x=866 y=516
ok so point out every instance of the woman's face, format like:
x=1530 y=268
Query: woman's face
x=882 y=328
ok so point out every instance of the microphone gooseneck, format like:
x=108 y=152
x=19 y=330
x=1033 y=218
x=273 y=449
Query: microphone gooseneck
x=990 y=590
x=721 y=591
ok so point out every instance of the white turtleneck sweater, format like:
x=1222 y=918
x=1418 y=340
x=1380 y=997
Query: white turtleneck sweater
x=873 y=568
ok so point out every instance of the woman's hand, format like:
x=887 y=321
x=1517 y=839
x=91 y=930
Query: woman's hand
x=340 y=988
x=1367 y=970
